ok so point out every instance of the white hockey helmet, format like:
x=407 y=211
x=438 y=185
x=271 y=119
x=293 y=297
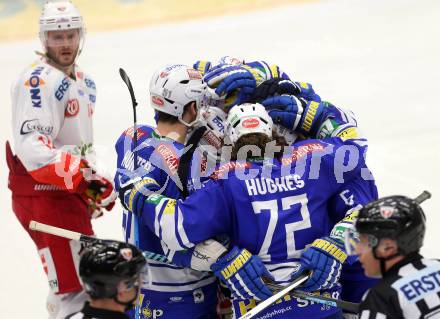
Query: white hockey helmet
x=174 y=86
x=61 y=15
x=248 y=118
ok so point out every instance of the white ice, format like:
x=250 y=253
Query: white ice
x=378 y=58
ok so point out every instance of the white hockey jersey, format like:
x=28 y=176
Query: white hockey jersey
x=52 y=123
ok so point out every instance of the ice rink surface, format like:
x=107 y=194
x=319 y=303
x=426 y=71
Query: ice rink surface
x=378 y=58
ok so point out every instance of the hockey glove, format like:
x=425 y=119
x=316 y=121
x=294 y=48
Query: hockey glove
x=97 y=190
x=202 y=66
x=324 y=258
x=234 y=83
x=242 y=273
x=307 y=92
x=285 y=110
x=275 y=87
x=133 y=192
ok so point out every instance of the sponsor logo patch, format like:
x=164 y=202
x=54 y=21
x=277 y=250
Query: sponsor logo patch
x=199 y=296
x=194 y=74
x=302 y=151
x=34 y=125
x=251 y=123
x=62 y=88
x=90 y=84
x=34 y=82
x=169 y=157
x=157 y=100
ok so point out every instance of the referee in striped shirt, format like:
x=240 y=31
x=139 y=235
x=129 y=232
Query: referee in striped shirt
x=390 y=232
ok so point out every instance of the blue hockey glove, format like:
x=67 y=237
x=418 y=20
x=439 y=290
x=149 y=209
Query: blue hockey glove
x=275 y=87
x=202 y=66
x=307 y=92
x=242 y=273
x=286 y=110
x=234 y=83
x=133 y=192
x=324 y=258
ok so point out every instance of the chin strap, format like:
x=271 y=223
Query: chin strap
x=128 y=304
x=382 y=260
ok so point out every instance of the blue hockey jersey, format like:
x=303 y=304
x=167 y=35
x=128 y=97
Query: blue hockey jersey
x=166 y=289
x=273 y=208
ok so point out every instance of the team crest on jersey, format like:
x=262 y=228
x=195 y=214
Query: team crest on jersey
x=34 y=82
x=127 y=254
x=72 y=108
x=387 y=211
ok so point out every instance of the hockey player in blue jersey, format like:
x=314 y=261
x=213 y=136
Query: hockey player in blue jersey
x=232 y=81
x=273 y=206
x=167 y=291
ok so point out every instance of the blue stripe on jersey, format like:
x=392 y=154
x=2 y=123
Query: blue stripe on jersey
x=164 y=266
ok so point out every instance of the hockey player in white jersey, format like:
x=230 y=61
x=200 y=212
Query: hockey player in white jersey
x=110 y=271
x=52 y=175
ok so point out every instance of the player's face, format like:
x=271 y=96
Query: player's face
x=63 y=45
x=365 y=252
x=128 y=290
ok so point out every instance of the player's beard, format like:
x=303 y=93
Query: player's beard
x=62 y=57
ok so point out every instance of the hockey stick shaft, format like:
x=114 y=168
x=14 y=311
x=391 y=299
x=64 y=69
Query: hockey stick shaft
x=134 y=103
x=269 y=301
x=344 y=305
x=48 y=229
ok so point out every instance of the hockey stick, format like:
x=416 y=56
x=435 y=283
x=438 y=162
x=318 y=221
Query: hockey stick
x=34 y=225
x=127 y=81
x=344 y=305
x=269 y=301
x=422 y=197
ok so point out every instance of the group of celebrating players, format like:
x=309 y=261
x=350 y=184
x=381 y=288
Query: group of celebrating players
x=248 y=181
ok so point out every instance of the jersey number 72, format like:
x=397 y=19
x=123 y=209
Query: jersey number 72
x=290 y=228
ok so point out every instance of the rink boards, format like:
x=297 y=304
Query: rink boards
x=19 y=18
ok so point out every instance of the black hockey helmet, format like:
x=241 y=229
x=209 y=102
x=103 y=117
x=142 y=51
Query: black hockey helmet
x=106 y=263
x=395 y=217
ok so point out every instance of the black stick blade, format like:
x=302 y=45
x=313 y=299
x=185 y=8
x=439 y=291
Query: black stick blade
x=127 y=81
